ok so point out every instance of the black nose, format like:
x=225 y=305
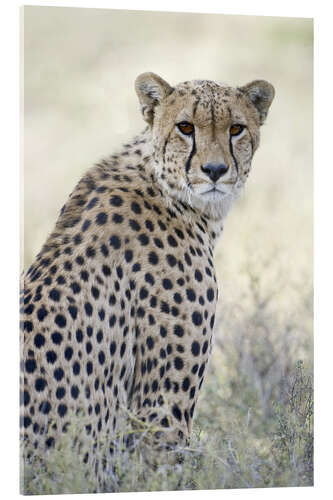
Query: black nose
x=214 y=170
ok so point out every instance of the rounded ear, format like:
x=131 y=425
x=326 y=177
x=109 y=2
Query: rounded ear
x=261 y=94
x=151 y=90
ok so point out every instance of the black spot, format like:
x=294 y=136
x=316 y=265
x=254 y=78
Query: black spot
x=202 y=369
x=51 y=357
x=30 y=365
x=134 y=225
x=149 y=225
x=28 y=326
x=198 y=275
x=60 y=392
x=149 y=278
x=117 y=218
x=42 y=313
x=101 y=218
x=89 y=368
x=176 y=412
x=86 y=224
x=188 y=259
x=116 y=201
x=79 y=335
x=172 y=242
x=195 y=348
x=90 y=252
x=150 y=343
x=144 y=240
x=88 y=308
x=179 y=233
x=179 y=363
x=77 y=239
x=88 y=347
x=177 y=298
x=101 y=357
x=162 y=225
x=158 y=243
x=113 y=347
x=119 y=272
x=153 y=258
x=104 y=250
x=143 y=293
x=58 y=374
x=75 y=287
x=75 y=391
x=40 y=384
x=212 y=321
x=112 y=320
x=205 y=347
x=26 y=398
x=178 y=330
x=72 y=311
x=167 y=284
x=197 y=318
x=56 y=338
x=29 y=310
x=163 y=331
x=76 y=368
x=53 y=269
x=122 y=349
x=191 y=294
x=60 y=320
x=45 y=407
x=136 y=267
x=39 y=340
x=154 y=385
x=106 y=270
x=92 y=203
x=128 y=255
x=165 y=307
x=210 y=294
x=68 y=265
x=186 y=384
x=115 y=242
x=136 y=207
x=62 y=410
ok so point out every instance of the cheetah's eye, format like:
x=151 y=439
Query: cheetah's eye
x=186 y=128
x=236 y=129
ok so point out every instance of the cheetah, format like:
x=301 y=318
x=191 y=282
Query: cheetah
x=118 y=308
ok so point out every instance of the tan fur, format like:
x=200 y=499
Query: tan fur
x=119 y=305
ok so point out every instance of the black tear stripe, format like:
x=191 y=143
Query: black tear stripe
x=164 y=147
x=230 y=144
x=232 y=154
x=192 y=153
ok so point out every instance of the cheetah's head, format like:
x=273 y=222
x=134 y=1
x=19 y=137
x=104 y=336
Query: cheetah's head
x=204 y=135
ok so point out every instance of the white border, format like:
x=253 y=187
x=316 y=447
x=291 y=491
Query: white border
x=323 y=229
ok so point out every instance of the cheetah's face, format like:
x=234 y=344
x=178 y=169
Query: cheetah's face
x=204 y=137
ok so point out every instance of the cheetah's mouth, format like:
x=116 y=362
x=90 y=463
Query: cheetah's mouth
x=215 y=192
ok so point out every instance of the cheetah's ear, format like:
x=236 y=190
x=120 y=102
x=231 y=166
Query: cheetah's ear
x=261 y=94
x=151 y=90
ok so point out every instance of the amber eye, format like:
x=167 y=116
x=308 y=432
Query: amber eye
x=186 y=128
x=236 y=129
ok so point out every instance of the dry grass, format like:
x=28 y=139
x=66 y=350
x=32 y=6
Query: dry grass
x=253 y=426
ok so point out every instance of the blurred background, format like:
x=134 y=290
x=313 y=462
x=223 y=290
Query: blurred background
x=80 y=105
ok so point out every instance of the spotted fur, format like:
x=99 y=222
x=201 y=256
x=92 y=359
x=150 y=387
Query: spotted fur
x=118 y=308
